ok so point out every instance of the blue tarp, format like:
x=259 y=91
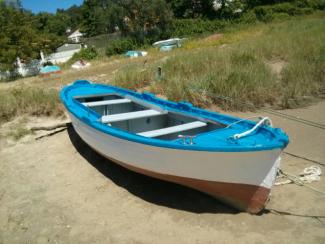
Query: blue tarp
x=134 y=54
x=49 y=69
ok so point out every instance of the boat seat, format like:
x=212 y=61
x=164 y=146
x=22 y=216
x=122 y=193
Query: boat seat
x=106 y=102
x=173 y=129
x=131 y=115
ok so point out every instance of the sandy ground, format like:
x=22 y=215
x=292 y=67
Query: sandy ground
x=57 y=190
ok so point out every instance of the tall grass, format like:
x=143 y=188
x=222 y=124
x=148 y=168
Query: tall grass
x=30 y=101
x=241 y=72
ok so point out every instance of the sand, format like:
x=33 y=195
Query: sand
x=57 y=190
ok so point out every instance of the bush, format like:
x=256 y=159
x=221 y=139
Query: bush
x=314 y=4
x=85 y=53
x=264 y=14
x=188 y=27
x=120 y=46
x=248 y=18
x=270 y=12
x=321 y=5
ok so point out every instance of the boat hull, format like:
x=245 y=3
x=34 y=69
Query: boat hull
x=240 y=179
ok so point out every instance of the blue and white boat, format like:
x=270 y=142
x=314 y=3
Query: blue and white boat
x=232 y=159
x=168 y=45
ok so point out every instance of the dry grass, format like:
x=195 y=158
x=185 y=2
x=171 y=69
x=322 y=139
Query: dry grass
x=18 y=132
x=30 y=101
x=240 y=71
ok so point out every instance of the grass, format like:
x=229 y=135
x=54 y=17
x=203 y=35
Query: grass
x=29 y=100
x=18 y=132
x=240 y=69
x=205 y=72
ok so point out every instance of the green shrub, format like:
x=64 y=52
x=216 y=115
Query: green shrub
x=321 y=5
x=248 y=18
x=314 y=4
x=188 y=27
x=88 y=53
x=264 y=13
x=281 y=16
x=120 y=46
x=285 y=8
x=269 y=12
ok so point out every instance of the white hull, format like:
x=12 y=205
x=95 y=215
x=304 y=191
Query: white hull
x=257 y=168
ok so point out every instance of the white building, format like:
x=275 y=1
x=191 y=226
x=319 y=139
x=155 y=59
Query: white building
x=75 y=36
x=64 y=53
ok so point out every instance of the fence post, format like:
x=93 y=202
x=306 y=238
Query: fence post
x=159 y=73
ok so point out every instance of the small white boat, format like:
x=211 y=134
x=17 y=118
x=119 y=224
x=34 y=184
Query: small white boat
x=228 y=158
x=80 y=64
x=169 y=42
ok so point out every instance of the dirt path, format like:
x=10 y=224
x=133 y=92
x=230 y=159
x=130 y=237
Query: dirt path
x=57 y=190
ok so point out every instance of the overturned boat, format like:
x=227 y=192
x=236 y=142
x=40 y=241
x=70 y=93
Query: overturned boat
x=234 y=160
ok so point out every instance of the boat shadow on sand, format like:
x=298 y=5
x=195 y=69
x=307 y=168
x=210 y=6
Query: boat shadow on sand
x=149 y=189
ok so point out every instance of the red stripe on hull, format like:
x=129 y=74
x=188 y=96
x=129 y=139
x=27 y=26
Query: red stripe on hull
x=244 y=197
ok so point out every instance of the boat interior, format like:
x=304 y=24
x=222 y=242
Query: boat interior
x=145 y=119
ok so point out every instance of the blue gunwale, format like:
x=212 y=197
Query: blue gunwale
x=266 y=138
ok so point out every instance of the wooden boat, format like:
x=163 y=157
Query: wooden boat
x=232 y=159
x=173 y=41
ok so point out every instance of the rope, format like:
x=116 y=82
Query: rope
x=294 y=178
x=265 y=119
x=239 y=121
x=309 y=175
x=271 y=111
x=274 y=211
x=304 y=158
x=294 y=118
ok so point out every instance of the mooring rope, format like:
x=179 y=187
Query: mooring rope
x=271 y=111
x=301 y=181
x=304 y=158
x=280 y=212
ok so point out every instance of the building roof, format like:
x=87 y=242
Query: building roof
x=76 y=33
x=68 y=47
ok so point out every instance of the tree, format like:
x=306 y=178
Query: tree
x=95 y=19
x=192 y=8
x=75 y=15
x=144 y=20
x=19 y=36
x=228 y=9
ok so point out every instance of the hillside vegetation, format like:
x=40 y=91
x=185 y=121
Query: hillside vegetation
x=279 y=64
x=135 y=23
x=28 y=100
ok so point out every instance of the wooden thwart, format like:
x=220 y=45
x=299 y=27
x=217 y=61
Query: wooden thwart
x=173 y=129
x=107 y=102
x=130 y=115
